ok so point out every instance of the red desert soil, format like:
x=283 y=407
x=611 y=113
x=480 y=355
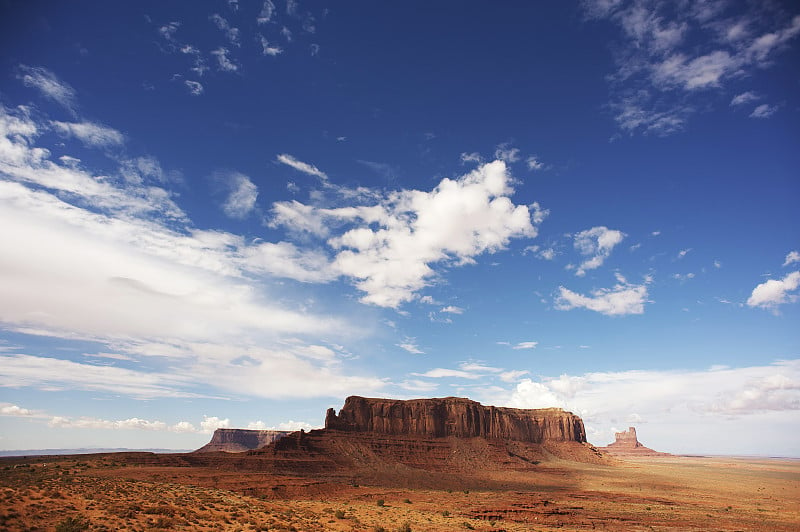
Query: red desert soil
x=387 y=465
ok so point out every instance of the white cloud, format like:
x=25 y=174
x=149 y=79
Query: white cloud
x=505 y=152
x=440 y=373
x=683 y=276
x=224 y=63
x=267 y=10
x=622 y=299
x=710 y=403
x=230 y=32
x=744 y=98
x=269 y=49
x=241 y=196
x=210 y=424
x=48 y=373
x=410 y=345
x=772 y=293
x=168 y=30
x=11 y=410
x=661 y=74
x=596 y=243
x=791 y=258
x=89 y=133
x=300 y=166
x=526 y=345
x=473 y=157
x=682 y=253
x=195 y=87
x=450 y=309
x=534 y=163
x=49 y=85
x=391 y=251
x=764 y=111
x=198 y=299
x=290 y=425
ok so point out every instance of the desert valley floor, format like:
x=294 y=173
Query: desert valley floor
x=138 y=491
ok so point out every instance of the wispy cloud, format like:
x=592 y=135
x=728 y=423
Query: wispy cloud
x=764 y=111
x=662 y=72
x=410 y=345
x=242 y=194
x=195 y=87
x=89 y=133
x=596 y=243
x=525 y=345
x=266 y=13
x=791 y=258
x=300 y=166
x=49 y=85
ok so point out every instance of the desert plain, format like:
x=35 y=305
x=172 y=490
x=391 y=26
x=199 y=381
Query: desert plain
x=136 y=492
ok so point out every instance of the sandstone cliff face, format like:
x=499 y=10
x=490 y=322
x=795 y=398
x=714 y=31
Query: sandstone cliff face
x=454 y=416
x=240 y=440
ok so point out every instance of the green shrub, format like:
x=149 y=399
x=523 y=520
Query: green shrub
x=339 y=514
x=381 y=502
x=405 y=527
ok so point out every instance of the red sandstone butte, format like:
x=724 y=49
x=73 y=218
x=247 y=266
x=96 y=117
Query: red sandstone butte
x=455 y=416
x=626 y=444
x=240 y=440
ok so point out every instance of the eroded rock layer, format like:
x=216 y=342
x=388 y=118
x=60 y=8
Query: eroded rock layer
x=454 y=416
x=240 y=440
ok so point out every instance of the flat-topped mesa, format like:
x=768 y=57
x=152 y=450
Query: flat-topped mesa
x=241 y=440
x=455 y=416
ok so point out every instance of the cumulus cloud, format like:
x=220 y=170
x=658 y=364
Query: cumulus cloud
x=242 y=195
x=597 y=244
x=770 y=294
x=624 y=298
x=49 y=85
x=89 y=133
x=11 y=410
x=300 y=166
x=458 y=220
x=505 y=152
x=210 y=424
x=712 y=403
x=450 y=309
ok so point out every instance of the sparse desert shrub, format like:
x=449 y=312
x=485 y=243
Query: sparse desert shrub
x=377 y=528
x=164 y=522
x=407 y=501
x=468 y=526
x=405 y=527
x=339 y=514
x=445 y=512
x=381 y=502
x=73 y=524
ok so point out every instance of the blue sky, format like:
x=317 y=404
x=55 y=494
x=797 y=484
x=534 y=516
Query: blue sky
x=233 y=213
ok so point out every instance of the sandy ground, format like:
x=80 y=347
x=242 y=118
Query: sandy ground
x=665 y=493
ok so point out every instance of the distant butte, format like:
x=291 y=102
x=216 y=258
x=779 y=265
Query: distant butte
x=241 y=440
x=626 y=444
